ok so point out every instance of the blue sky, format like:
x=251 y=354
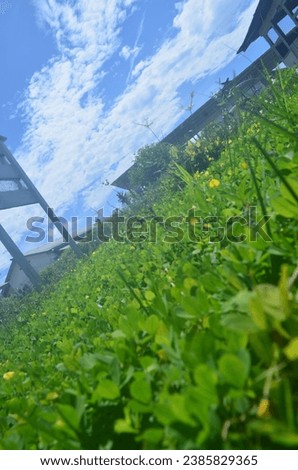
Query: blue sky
x=78 y=75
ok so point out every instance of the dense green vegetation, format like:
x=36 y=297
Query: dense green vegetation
x=184 y=334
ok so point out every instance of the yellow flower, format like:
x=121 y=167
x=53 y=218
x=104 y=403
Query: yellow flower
x=263 y=408
x=244 y=165
x=196 y=175
x=9 y=375
x=214 y=183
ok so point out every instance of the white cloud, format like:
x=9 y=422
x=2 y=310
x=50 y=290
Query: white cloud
x=127 y=52
x=72 y=140
x=179 y=6
x=134 y=52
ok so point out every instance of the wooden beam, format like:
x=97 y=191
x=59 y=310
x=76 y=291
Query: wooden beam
x=6 y=171
x=19 y=258
x=20 y=197
x=39 y=199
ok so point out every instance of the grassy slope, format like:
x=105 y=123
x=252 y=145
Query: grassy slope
x=192 y=344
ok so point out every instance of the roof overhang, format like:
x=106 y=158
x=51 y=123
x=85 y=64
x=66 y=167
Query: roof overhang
x=264 y=9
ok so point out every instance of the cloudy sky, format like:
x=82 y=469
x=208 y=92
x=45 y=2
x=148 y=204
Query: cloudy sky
x=79 y=77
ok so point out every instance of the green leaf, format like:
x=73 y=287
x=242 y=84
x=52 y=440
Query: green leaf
x=285 y=207
x=162 y=336
x=257 y=312
x=269 y=301
x=123 y=427
x=70 y=415
x=88 y=361
x=206 y=379
x=233 y=370
x=106 y=389
x=238 y=322
x=291 y=184
x=150 y=324
x=140 y=390
x=239 y=302
x=211 y=282
x=270 y=297
x=173 y=409
x=152 y=435
x=291 y=350
x=149 y=295
x=118 y=334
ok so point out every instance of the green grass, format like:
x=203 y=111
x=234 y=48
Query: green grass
x=175 y=344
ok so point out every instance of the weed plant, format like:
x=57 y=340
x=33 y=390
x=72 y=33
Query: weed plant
x=166 y=344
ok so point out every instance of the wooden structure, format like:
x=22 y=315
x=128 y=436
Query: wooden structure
x=16 y=189
x=277 y=22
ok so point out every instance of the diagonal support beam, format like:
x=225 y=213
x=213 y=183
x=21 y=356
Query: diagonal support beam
x=20 y=259
x=39 y=199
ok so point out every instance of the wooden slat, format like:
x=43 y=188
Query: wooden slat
x=22 y=197
x=7 y=172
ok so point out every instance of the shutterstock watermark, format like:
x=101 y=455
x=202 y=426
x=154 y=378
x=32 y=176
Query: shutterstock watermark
x=191 y=227
x=5 y=6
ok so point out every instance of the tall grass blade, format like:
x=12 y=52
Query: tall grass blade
x=275 y=169
x=259 y=195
